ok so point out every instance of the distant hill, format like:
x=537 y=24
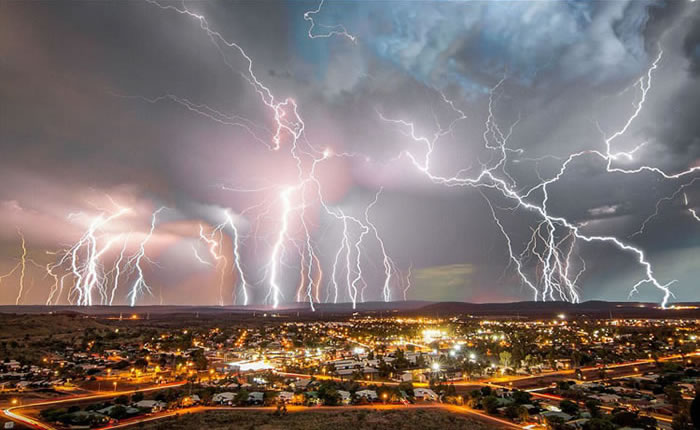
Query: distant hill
x=598 y=309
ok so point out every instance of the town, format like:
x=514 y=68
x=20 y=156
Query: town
x=560 y=372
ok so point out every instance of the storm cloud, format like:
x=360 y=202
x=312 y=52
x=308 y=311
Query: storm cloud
x=92 y=113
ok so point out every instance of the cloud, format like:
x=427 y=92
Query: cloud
x=604 y=210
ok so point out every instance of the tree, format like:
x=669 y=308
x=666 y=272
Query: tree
x=555 y=422
x=474 y=399
x=122 y=400
x=141 y=364
x=118 y=412
x=646 y=422
x=674 y=396
x=624 y=418
x=593 y=407
x=695 y=411
x=242 y=397
x=505 y=358
x=521 y=397
x=329 y=395
x=137 y=397
x=490 y=404
x=598 y=424
x=468 y=369
x=270 y=398
x=569 y=407
x=516 y=412
x=682 y=421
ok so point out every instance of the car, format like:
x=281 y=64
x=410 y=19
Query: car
x=9 y=425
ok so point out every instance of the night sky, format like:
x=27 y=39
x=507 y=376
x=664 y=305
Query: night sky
x=132 y=104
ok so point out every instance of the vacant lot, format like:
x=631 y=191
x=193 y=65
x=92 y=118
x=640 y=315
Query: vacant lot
x=397 y=419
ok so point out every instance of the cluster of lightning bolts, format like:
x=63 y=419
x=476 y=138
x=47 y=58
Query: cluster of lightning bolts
x=214 y=243
x=293 y=200
x=554 y=239
x=81 y=273
x=548 y=262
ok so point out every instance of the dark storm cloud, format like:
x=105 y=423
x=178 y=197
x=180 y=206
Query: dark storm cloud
x=72 y=131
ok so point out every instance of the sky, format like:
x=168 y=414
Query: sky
x=247 y=152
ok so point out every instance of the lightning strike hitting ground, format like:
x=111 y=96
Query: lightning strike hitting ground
x=408 y=282
x=23 y=267
x=140 y=286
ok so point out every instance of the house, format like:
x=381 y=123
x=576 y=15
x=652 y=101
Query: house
x=425 y=394
x=256 y=398
x=285 y=396
x=301 y=383
x=369 y=395
x=344 y=397
x=550 y=414
x=108 y=410
x=150 y=405
x=312 y=399
x=687 y=389
x=225 y=398
x=606 y=398
x=12 y=364
x=190 y=400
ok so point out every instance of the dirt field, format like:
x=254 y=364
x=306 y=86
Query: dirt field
x=428 y=419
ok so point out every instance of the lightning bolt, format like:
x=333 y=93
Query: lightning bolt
x=331 y=30
x=22 y=266
x=691 y=210
x=215 y=250
x=659 y=203
x=139 y=286
x=388 y=264
x=237 y=258
x=408 y=282
x=277 y=249
x=117 y=270
x=83 y=261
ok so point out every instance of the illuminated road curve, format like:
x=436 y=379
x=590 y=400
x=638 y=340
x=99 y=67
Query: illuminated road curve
x=13 y=412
